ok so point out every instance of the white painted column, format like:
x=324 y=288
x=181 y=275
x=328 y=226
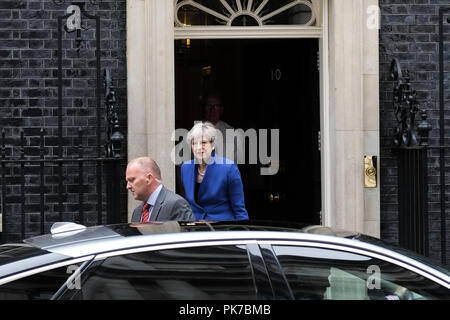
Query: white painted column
x=151 y=81
x=354 y=109
x=371 y=111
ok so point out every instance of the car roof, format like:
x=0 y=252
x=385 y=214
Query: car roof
x=71 y=234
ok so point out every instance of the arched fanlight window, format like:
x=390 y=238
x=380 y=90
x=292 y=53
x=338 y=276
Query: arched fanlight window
x=246 y=12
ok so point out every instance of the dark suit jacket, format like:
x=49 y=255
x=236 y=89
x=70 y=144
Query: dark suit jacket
x=168 y=206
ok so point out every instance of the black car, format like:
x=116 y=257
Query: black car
x=214 y=260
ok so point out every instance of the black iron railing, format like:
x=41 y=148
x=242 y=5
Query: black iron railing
x=442 y=147
x=411 y=148
x=15 y=171
x=48 y=182
x=71 y=172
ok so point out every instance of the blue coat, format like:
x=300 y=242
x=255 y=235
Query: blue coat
x=221 y=193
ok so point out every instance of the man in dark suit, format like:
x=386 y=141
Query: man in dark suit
x=158 y=203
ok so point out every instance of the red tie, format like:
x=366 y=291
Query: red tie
x=145 y=211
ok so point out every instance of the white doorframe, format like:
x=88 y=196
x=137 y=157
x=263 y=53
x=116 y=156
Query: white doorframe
x=327 y=193
x=284 y=32
x=265 y=32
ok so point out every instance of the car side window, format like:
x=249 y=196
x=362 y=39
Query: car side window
x=39 y=286
x=317 y=273
x=213 y=272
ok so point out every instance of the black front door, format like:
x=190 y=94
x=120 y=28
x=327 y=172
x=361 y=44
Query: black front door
x=267 y=86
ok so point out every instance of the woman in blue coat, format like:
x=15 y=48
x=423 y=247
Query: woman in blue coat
x=212 y=184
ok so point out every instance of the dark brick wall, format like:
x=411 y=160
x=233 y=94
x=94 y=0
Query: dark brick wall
x=409 y=32
x=29 y=96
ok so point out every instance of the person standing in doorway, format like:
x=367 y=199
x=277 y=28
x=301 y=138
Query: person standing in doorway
x=213 y=111
x=212 y=184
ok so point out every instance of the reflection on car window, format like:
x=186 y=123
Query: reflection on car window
x=217 y=272
x=433 y=263
x=15 y=258
x=10 y=253
x=39 y=286
x=316 y=273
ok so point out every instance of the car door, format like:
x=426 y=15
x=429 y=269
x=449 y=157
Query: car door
x=188 y=272
x=334 y=273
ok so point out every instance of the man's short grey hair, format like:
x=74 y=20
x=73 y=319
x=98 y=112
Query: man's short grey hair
x=204 y=130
